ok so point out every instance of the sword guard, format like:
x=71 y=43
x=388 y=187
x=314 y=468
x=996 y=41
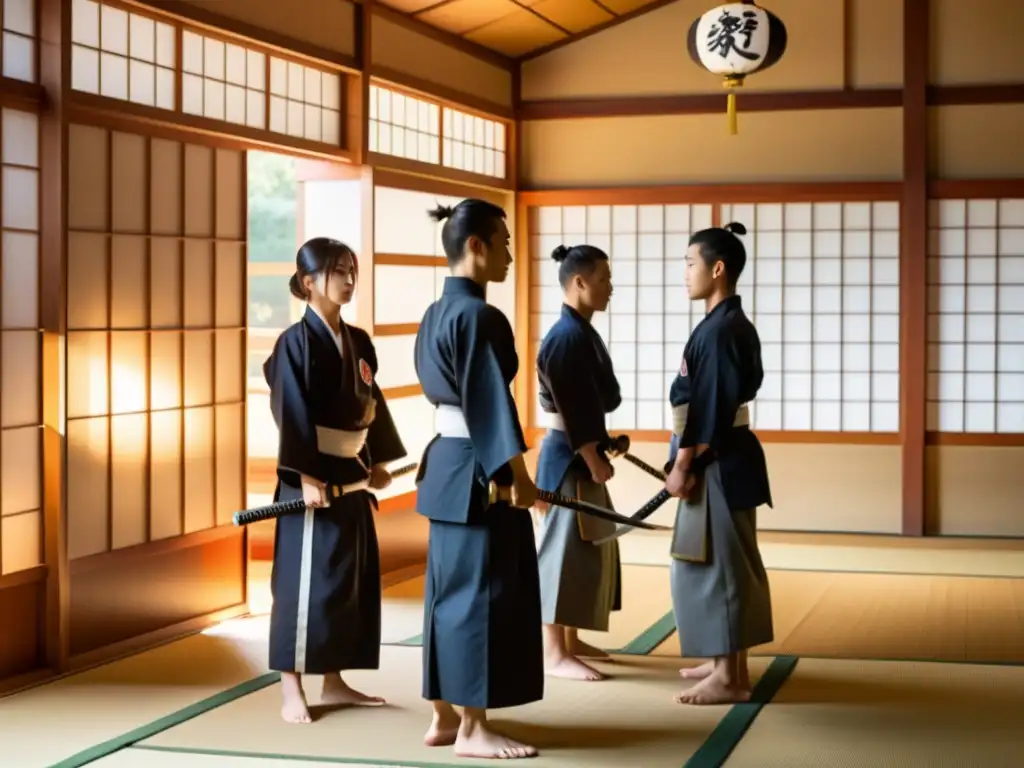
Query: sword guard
x=496 y=493
x=617 y=446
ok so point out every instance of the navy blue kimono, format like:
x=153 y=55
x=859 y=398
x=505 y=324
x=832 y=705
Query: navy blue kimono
x=481 y=626
x=326 y=575
x=721 y=371
x=580 y=583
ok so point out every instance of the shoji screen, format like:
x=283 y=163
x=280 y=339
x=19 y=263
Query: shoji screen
x=156 y=382
x=976 y=316
x=822 y=286
x=21 y=526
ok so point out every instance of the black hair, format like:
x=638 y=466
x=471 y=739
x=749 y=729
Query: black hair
x=319 y=256
x=470 y=218
x=576 y=260
x=722 y=244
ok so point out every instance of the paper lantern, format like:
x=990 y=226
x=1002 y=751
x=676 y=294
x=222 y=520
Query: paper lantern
x=736 y=40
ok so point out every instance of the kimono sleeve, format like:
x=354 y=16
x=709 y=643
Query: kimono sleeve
x=716 y=384
x=490 y=412
x=382 y=439
x=289 y=403
x=574 y=392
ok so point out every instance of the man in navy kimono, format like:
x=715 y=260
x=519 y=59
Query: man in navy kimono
x=482 y=626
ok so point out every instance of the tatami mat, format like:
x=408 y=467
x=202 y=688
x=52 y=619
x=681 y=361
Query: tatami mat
x=856 y=554
x=628 y=720
x=645 y=600
x=856 y=714
x=889 y=616
x=148 y=758
x=43 y=725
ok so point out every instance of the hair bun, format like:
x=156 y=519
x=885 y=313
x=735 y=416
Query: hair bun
x=735 y=227
x=441 y=213
x=560 y=253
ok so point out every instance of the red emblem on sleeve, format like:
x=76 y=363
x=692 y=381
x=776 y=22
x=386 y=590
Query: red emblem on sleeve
x=682 y=368
x=365 y=373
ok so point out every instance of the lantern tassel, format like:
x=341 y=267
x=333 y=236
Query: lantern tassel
x=731 y=84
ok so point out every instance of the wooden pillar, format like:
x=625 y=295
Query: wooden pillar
x=55 y=77
x=523 y=390
x=913 y=264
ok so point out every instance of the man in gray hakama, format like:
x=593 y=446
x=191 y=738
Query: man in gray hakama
x=720 y=593
x=576 y=386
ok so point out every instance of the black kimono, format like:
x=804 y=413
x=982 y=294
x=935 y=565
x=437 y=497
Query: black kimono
x=481 y=627
x=334 y=424
x=577 y=387
x=720 y=593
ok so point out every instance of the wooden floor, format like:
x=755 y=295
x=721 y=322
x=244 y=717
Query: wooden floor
x=880 y=623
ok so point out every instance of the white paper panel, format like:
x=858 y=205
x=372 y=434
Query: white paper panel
x=396 y=364
x=976 y=316
x=402 y=294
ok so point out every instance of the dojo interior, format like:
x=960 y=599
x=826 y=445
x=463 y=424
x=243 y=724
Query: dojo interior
x=161 y=162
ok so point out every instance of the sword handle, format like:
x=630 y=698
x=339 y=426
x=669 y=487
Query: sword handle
x=641 y=464
x=404 y=470
x=276 y=510
x=652 y=505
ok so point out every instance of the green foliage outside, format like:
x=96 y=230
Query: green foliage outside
x=273 y=234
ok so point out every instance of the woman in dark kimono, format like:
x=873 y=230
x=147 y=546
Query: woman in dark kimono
x=577 y=387
x=336 y=435
x=481 y=626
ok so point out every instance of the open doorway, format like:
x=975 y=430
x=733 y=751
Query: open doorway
x=273 y=234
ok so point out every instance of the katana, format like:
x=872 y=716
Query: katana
x=503 y=493
x=295 y=506
x=636 y=520
x=619 y=446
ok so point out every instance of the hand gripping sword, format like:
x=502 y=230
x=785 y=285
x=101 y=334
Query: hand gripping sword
x=276 y=510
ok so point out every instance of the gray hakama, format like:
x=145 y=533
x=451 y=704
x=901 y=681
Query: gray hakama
x=722 y=603
x=720 y=593
x=576 y=388
x=578 y=581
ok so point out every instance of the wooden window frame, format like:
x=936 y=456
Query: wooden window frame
x=439 y=170
x=120 y=114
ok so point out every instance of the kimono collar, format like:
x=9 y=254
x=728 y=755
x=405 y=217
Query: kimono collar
x=571 y=314
x=462 y=286
x=325 y=327
x=727 y=305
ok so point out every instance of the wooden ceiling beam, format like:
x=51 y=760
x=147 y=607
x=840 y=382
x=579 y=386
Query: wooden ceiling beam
x=454 y=41
x=765 y=101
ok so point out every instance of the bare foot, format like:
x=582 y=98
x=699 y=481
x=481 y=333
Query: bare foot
x=712 y=690
x=338 y=693
x=444 y=728
x=697 y=673
x=578 y=648
x=485 y=743
x=744 y=679
x=294 y=709
x=571 y=668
